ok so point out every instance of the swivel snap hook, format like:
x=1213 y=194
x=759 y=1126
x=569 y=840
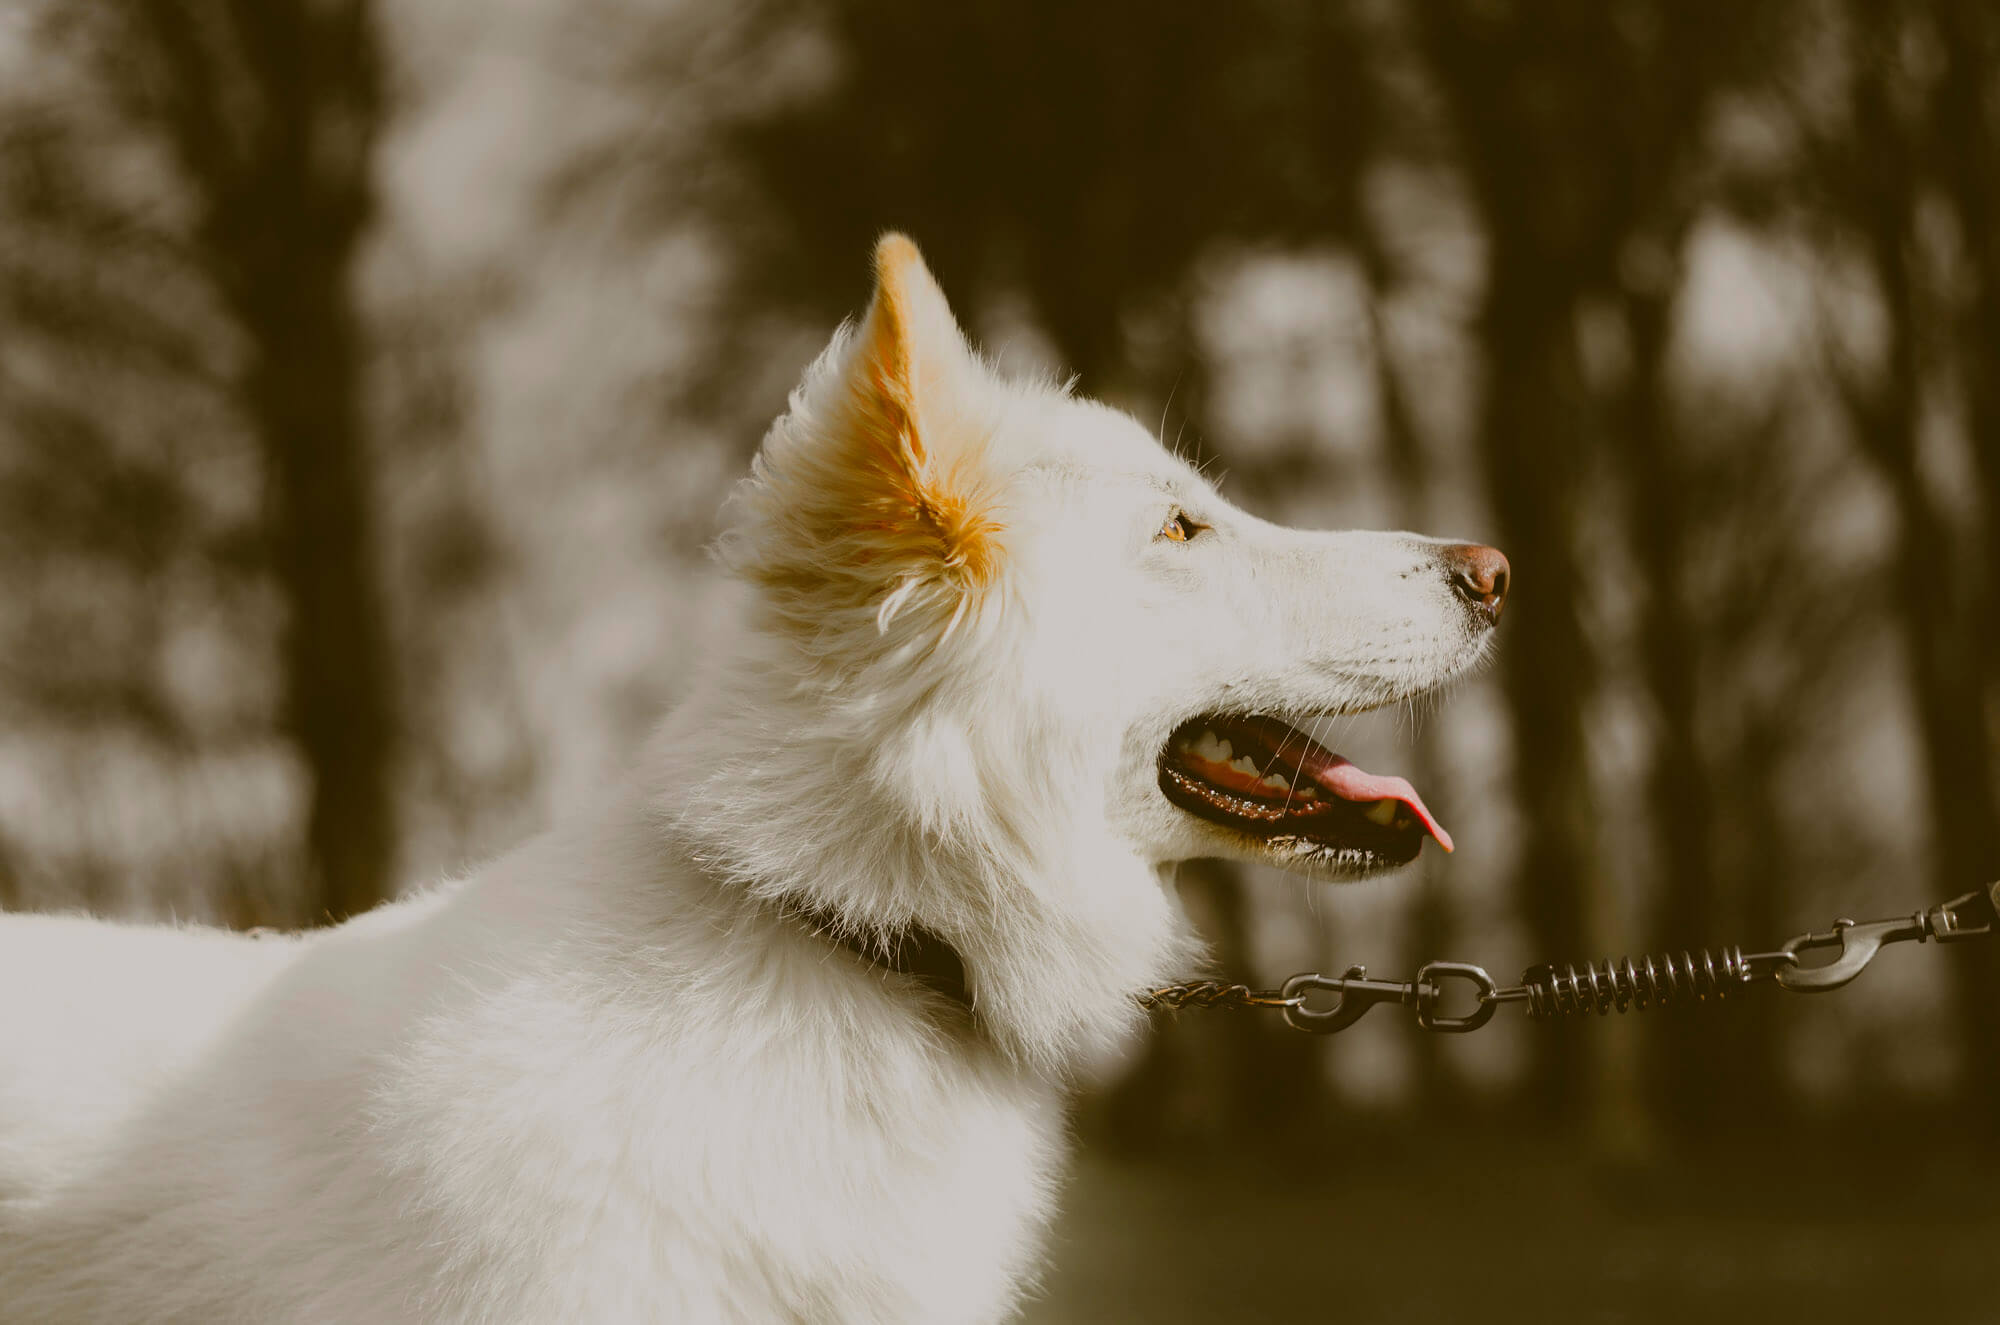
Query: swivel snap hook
x=1428 y=989
x=1858 y=944
x=1357 y=994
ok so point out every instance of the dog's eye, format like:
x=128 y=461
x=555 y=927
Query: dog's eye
x=1180 y=528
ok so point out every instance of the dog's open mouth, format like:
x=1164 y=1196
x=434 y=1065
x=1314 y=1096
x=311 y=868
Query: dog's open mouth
x=1269 y=780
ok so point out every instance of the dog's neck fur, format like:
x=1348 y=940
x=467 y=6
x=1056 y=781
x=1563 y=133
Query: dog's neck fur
x=1058 y=922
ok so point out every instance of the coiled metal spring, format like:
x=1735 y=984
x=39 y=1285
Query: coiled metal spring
x=1628 y=985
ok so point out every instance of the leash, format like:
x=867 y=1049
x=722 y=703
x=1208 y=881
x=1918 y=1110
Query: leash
x=1550 y=992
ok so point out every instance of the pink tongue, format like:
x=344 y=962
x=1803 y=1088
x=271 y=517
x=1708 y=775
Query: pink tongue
x=1354 y=783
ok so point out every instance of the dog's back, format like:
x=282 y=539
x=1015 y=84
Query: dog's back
x=582 y=1085
x=94 y=1017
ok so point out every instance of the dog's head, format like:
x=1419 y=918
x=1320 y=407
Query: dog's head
x=1048 y=616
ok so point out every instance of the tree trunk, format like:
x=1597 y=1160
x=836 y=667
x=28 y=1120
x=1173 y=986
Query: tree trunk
x=1964 y=126
x=1549 y=229
x=338 y=703
x=1942 y=639
x=1971 y=89
x=1533 y=428
x=10 y=888
x=284 y=185
x=1685 y=1055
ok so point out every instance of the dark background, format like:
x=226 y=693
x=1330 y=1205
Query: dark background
x=370 y=376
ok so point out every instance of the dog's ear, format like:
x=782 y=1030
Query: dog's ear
x=875 y=490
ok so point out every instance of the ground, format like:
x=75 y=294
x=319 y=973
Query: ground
x=1488 y=1233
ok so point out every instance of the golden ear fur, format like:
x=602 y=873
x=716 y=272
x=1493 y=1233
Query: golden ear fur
x=875 y=489
x=916 y=466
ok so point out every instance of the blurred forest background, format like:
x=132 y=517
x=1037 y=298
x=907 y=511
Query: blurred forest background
x=370 y=376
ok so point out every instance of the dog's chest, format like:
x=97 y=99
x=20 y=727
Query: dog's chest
x=740 y=1169
x=892 y=1193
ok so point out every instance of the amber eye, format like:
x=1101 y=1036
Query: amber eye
x=1180 y=528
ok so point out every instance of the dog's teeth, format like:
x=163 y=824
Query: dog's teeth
x=1275 y=783
x=1245 y=765
x=1383 y=812
x=1211 y=747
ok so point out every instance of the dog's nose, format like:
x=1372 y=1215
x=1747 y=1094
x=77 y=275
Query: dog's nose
x=1479 y=574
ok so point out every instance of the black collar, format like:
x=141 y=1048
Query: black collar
x=915 y=952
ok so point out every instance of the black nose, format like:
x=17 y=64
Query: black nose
x=1479 y=574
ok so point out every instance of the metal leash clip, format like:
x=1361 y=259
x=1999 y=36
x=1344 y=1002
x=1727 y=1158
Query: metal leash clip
x=1972 y=915
x=1357 y=993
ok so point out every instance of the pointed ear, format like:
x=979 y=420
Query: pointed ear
x=875 y=491
x=911 y=352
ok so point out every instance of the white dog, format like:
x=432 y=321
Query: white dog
x=782 y=1033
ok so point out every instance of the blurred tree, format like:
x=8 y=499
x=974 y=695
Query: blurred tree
x=268 y=111
x=1878 y=172
x=1579 y=127
x=110 y=418
x=1777 y=636
x=1683 y=58
x=75 y=276
x=1663 y=520
x=1963 y=131
x=1081 y=157
x=1965 y=128
x=1536 y=96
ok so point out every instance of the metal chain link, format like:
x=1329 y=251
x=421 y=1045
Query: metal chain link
x=1212 y=994
x=1627 y=985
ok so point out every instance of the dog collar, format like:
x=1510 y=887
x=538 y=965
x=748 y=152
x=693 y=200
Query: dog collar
x=916 y=953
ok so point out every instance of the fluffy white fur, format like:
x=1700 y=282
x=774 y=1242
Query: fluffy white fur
x=606 y=1078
